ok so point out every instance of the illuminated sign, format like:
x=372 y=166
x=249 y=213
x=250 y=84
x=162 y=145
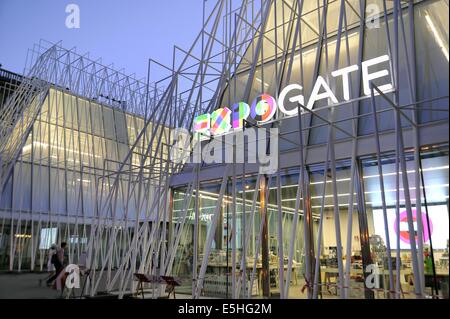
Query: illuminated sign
x=264 y=107
x=438 y=222
x=404 y=228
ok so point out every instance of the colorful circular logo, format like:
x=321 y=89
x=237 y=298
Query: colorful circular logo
x=263 y=108
x=404 y=229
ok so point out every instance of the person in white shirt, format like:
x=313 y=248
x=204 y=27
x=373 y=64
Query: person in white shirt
x=50 y=267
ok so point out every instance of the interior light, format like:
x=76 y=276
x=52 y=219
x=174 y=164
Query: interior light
x=260 y=81
x=22 y=235
x=27 y=148
x=436 y=36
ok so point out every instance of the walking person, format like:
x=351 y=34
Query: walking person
x=50 y=268
x=58 y=262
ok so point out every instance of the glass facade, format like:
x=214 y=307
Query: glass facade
x=363 y=229
x=64 y=174
x=434 y=196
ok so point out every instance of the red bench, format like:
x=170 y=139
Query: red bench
x=170 y=282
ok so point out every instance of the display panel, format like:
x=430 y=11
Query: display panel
x=439 y=226
x=48 y=237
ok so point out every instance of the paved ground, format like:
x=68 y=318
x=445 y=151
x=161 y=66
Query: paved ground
x=27 y=286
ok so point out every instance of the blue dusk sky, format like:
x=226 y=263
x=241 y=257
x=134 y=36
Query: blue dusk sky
x=123 y=32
